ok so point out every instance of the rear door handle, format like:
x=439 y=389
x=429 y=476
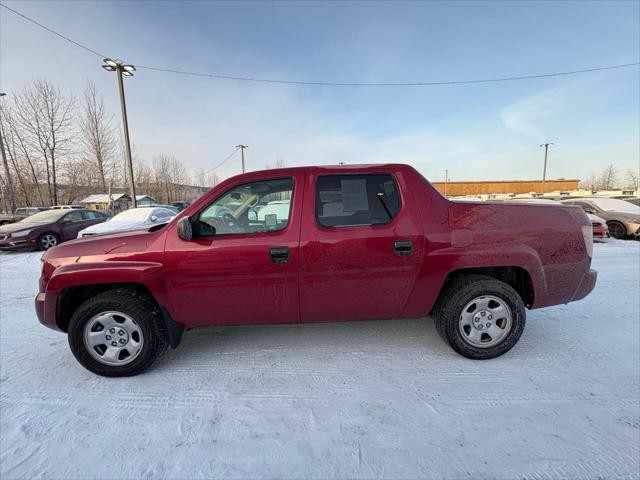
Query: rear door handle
x=403 y=248
x=279 y=254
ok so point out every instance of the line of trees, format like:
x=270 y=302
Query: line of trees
x=60 y=148
x=611 y=179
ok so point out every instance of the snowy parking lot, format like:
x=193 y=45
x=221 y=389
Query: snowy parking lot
x=351 y=400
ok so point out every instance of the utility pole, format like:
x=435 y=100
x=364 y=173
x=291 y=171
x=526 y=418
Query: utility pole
x=446 y=181
x=126 y=70
x=242 y=147
x=544 y=171
x=7 y=173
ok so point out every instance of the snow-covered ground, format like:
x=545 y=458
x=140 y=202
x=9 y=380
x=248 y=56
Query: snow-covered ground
x=352 y=400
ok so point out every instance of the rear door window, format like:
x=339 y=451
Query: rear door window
x=75 y=216
x=90 y=215
x=351 y=200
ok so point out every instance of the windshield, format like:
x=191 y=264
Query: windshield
x=615 y=205
x=46 y=216
x=133 y=214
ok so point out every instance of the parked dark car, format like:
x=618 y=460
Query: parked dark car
x=47 y=229
x=20 y=213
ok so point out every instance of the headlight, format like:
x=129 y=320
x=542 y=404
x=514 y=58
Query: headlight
x=21 y=233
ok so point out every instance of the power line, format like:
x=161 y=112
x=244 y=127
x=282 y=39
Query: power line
x=386 y=84
x=332 y=84
x=223 y=161
x=53 y=31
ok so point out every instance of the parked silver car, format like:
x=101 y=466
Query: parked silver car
x=623 y=218
x=131 y=220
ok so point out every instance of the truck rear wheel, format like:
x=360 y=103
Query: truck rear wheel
x=117 y=333
x=480 y=317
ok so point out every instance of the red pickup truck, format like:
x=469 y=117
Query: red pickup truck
x=316 y=244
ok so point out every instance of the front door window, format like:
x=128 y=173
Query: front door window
x=262 y=206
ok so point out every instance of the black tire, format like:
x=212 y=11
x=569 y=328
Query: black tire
x=137 y=306
x=46 y=235
x=617 y=229
x=457 y=294
x=4 y=222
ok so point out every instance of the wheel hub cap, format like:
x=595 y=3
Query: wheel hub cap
x=113 y=338
x=485 y=321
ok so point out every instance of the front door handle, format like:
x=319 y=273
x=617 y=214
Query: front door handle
x=403 y=248
x=279 y=254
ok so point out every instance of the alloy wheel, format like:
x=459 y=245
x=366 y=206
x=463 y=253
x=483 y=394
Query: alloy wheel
x=48 y=241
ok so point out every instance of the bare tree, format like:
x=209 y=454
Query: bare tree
x=592 y=183
x=633 y=179
x=98 y=136
x=45 y=115
x=206 y=180
x=608 y=178
x=8 y=180
x=279 y=163
x=12 y=153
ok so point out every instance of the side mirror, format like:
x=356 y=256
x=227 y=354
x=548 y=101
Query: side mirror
x=185 y=231
x=153 y=218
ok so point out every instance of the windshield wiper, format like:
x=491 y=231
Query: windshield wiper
x=384 y=204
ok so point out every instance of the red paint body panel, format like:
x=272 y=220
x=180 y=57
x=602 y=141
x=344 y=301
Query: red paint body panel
x=339 y=273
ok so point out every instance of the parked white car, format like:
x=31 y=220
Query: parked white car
x=131 y=220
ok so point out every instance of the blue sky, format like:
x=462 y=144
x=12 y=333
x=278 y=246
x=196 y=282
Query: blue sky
x=486 y=131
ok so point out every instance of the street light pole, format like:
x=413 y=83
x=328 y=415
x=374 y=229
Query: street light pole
x=446 y=181
x=544 y=170
x=242 y=147
x=124 y=70
x=7 y=173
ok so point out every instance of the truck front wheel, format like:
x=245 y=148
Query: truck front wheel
x=479 y=317
x=117 y=333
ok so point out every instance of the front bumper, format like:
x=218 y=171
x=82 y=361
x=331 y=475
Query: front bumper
x=45 y=305
x=13 y=244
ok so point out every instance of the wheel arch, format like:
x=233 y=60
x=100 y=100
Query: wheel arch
x=70 y=299
x=516 y=277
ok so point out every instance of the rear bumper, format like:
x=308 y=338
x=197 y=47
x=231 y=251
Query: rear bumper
x=586 y=286
x=45 y=305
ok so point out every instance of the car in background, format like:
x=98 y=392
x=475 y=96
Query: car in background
x=599 y=225
x=131 y=220
x=180 y=205
x=275 y=212
x=176 y=210
x=66 y=207
x=19 y=214
x=47 y=229
x=622 y=217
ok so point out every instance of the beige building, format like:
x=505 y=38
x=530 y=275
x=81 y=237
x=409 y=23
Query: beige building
x=505 y=186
